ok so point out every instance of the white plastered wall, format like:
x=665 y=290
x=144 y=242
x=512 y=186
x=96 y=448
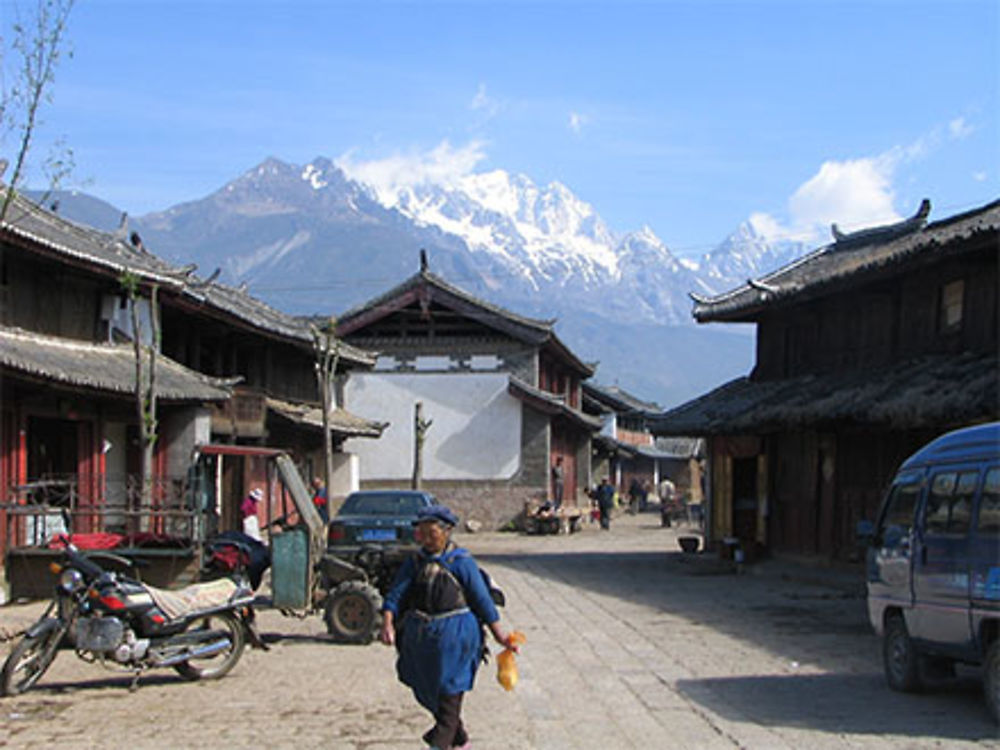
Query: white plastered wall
x=475 y=432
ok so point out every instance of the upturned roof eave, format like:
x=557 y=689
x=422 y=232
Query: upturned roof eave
x=862 y=255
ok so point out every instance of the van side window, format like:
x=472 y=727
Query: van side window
x=989 y=505
x=949 y=503
x=899 y=508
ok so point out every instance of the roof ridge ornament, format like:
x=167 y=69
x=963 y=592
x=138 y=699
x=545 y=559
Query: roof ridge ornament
x=761 y=286
x=847 y=240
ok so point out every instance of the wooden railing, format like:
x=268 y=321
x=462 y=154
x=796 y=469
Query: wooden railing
x=38 y=511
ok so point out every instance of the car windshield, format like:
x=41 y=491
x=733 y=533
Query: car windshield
x=382 y=504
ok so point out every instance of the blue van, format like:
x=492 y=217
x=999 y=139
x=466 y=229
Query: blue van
x=933 y=563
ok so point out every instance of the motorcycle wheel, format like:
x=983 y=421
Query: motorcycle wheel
x=352 y=612
x=28 y=661
x=214 y=667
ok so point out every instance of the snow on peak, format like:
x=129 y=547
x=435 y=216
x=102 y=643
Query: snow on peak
x=508 y=215
x=314 y=176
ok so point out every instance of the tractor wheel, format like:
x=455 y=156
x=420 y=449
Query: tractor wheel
x=352 y=612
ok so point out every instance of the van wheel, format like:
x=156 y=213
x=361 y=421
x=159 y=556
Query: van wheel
x=991 y=679
x=900 y=657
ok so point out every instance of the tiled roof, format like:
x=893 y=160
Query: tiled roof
x=929 y=391
x=617 y=399
x=851 y=258
x=341 y=421
x=530 y=330
x=114 y=253
x=102 y=367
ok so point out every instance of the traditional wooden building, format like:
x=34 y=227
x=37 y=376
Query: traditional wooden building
x=68 y=424
x=626 y=448
x=68 y=414
x=866 y=348
x=501 y=391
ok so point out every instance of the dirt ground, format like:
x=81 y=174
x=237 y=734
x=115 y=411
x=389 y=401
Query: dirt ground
x=630 y=644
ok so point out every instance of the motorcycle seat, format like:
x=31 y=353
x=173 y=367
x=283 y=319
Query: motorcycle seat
x=197 y=597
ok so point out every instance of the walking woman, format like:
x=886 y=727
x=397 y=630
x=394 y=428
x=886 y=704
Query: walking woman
x=433 y=613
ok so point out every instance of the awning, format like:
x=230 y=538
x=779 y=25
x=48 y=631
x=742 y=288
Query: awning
x=931 y=391
x=101 y=367
x=341 y=420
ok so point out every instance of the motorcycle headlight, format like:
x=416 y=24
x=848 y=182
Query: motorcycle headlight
x=70 y=580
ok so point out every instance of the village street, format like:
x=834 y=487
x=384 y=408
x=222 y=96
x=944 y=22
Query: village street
x=630 y=645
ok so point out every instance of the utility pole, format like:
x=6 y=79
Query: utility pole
x=327 y=347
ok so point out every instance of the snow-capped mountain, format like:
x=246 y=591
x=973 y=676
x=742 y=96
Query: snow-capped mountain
x=551 y=240
x=310 y=239
x=746 y=254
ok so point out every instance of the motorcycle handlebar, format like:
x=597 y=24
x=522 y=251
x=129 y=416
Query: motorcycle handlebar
x=91 y=570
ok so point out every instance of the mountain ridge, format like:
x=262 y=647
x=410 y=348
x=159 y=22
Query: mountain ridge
x=310 y=239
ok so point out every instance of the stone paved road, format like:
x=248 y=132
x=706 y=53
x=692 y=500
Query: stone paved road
x=630 y=645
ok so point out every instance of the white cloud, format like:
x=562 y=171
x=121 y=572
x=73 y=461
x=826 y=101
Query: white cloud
x=959 y=128
x=577 y=121
x=980 y=176
x=855 y=194
x=483 y=102
x=443 y=164
x=766 y=226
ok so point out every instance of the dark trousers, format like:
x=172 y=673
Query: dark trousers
x=448 y=730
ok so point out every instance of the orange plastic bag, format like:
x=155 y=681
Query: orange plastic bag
x=507 y=665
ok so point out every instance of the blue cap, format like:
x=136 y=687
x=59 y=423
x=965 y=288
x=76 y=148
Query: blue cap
x=438 y=513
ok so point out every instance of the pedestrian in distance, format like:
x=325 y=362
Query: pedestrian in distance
x=435 y=613
x=558 y=482
x=320 y=499
x=605 y=502
x=248 y=513
x=634 y=495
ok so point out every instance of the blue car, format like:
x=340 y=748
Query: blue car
x=376 y=517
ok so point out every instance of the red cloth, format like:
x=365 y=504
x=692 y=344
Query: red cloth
x=96 y=540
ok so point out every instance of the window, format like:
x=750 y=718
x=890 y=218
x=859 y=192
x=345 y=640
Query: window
x=949 y=503
x=899 y=509
x=952 y=299
x=386 y=363
x=426 y=363
x=484 y=362
x=989 y=505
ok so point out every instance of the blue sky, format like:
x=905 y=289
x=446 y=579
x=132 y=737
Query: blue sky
x=687 y=117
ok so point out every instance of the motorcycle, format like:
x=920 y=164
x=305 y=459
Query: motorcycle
x=110 y=618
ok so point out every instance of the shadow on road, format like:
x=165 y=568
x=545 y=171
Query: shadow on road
x=705 y=590
x=835 y=703
x=286 y=639
x=824 y=627
x=119 y=681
